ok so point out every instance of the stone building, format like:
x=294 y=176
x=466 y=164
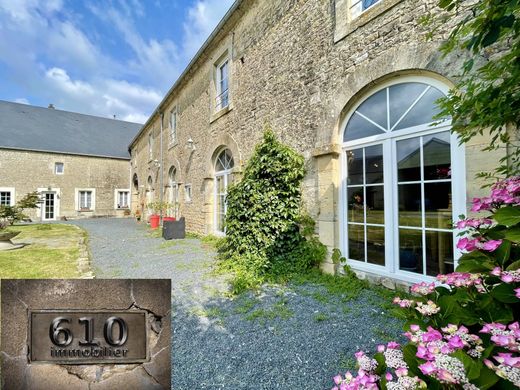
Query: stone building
x=350 y=84
x=78 y=163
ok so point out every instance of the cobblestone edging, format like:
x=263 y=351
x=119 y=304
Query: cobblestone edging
x=84 y=259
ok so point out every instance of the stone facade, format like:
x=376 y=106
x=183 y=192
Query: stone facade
x=27 y=171
x=300 y=66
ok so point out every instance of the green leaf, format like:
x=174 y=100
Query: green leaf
x=471 y=367
x=513 y=235
x=504 y=293
x=514 y=266
x=503 y=252
x=474 y=266
x=508 y=216
x=486 y=379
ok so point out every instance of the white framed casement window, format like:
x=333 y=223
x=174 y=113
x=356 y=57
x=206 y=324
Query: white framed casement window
x=7 y=196
x=187 y=193
x=403 y=183
x=59 y=168
x=85 y=199
x=150 y=146
x=222 y=84
x=357 y=7
x=122 y=199
x=173 y=127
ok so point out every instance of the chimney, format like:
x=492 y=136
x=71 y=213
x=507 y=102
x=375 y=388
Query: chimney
x=51 y=106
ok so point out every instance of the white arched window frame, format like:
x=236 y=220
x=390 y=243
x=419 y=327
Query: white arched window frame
x=224 y=164
x=387 y=141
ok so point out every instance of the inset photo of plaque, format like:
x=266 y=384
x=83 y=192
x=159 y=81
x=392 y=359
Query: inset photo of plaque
x=86 y=334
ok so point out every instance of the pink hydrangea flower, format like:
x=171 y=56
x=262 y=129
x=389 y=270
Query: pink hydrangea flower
x=491 y=245
x=517 y=292
x=466 y=244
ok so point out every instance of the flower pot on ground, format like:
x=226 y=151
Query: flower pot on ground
x=167 y=219
x=154 y=221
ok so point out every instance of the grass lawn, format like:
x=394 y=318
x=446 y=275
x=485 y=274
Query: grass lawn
x=52 y=252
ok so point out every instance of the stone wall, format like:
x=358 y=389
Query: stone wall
x=21 y=296
x=27 y=171
x=298 y=65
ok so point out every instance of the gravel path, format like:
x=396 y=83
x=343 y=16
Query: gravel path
x=285 y=337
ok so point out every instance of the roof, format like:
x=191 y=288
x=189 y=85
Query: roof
x=234 y=7
x=27 y=127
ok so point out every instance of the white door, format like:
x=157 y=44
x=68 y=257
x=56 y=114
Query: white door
x=49 y=206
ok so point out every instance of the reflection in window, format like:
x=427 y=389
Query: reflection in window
x=393 y=108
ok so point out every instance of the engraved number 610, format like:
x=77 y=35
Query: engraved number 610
x=56 y=329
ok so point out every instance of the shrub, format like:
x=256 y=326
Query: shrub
x=266 y=234
x=12 y=214
x=465 y=332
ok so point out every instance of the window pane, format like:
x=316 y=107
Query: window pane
x=375 y=204
x=402 y=97
x=410 y=250
x=368 y=3
x=5 y=198
x=356 y=242
x=410 y=205
x=437 y=204
x=374 y=108
x=424 y=111
x=437 y=156
x=355 y=166
x=355 y=205
x=439 y=253
x=374 y=164
x=359 y=127
x=376 y=245
x=409 y=160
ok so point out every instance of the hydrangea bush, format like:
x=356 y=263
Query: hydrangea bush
x=463 y=331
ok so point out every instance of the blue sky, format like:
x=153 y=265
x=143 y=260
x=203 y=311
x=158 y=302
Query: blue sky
x=100 y=57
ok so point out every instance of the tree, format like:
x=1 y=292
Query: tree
x=487 y=97
x=12 y=214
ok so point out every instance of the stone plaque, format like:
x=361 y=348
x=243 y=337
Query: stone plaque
x=88 y=337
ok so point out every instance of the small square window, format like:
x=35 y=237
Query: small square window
x=5 y=198
x=58 y=168
x=187 y=192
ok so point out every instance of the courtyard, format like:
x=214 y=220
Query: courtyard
x=297 y=335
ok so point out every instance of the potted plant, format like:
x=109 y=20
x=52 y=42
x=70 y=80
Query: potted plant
x=171 y=211
x=157 y=208
x=137 y=215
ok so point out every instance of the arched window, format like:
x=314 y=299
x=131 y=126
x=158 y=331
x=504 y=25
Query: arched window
x=403 y=176
x=224 y=164
x=149 y=191
x=173 y=189
x=135 y=182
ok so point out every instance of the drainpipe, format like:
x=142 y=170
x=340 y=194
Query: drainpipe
x=161 y=169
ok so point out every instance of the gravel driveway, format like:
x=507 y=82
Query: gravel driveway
x=284 y=337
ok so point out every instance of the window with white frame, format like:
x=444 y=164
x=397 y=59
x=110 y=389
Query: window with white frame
x=85 y=200
x=58 y=168
x=403 y=180
x=224 y=165
x=123 y=199
x=222 y=85
x=6 y=197
x=150 y=146
x=173 y=126
x=187 y=193
x=173 y=190
x=358 y=6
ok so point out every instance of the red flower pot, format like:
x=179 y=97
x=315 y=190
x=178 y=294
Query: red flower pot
x=154 y=221
x=168 y=219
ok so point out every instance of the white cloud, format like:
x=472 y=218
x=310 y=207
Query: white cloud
x=53 y=58
x=22 y=101
x=203 y=17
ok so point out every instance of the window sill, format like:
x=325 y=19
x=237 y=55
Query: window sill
x=346 y=26
x=172 y=144
x=85 y=210
x=220 y=113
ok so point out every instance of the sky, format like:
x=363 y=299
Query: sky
x=100 y=57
